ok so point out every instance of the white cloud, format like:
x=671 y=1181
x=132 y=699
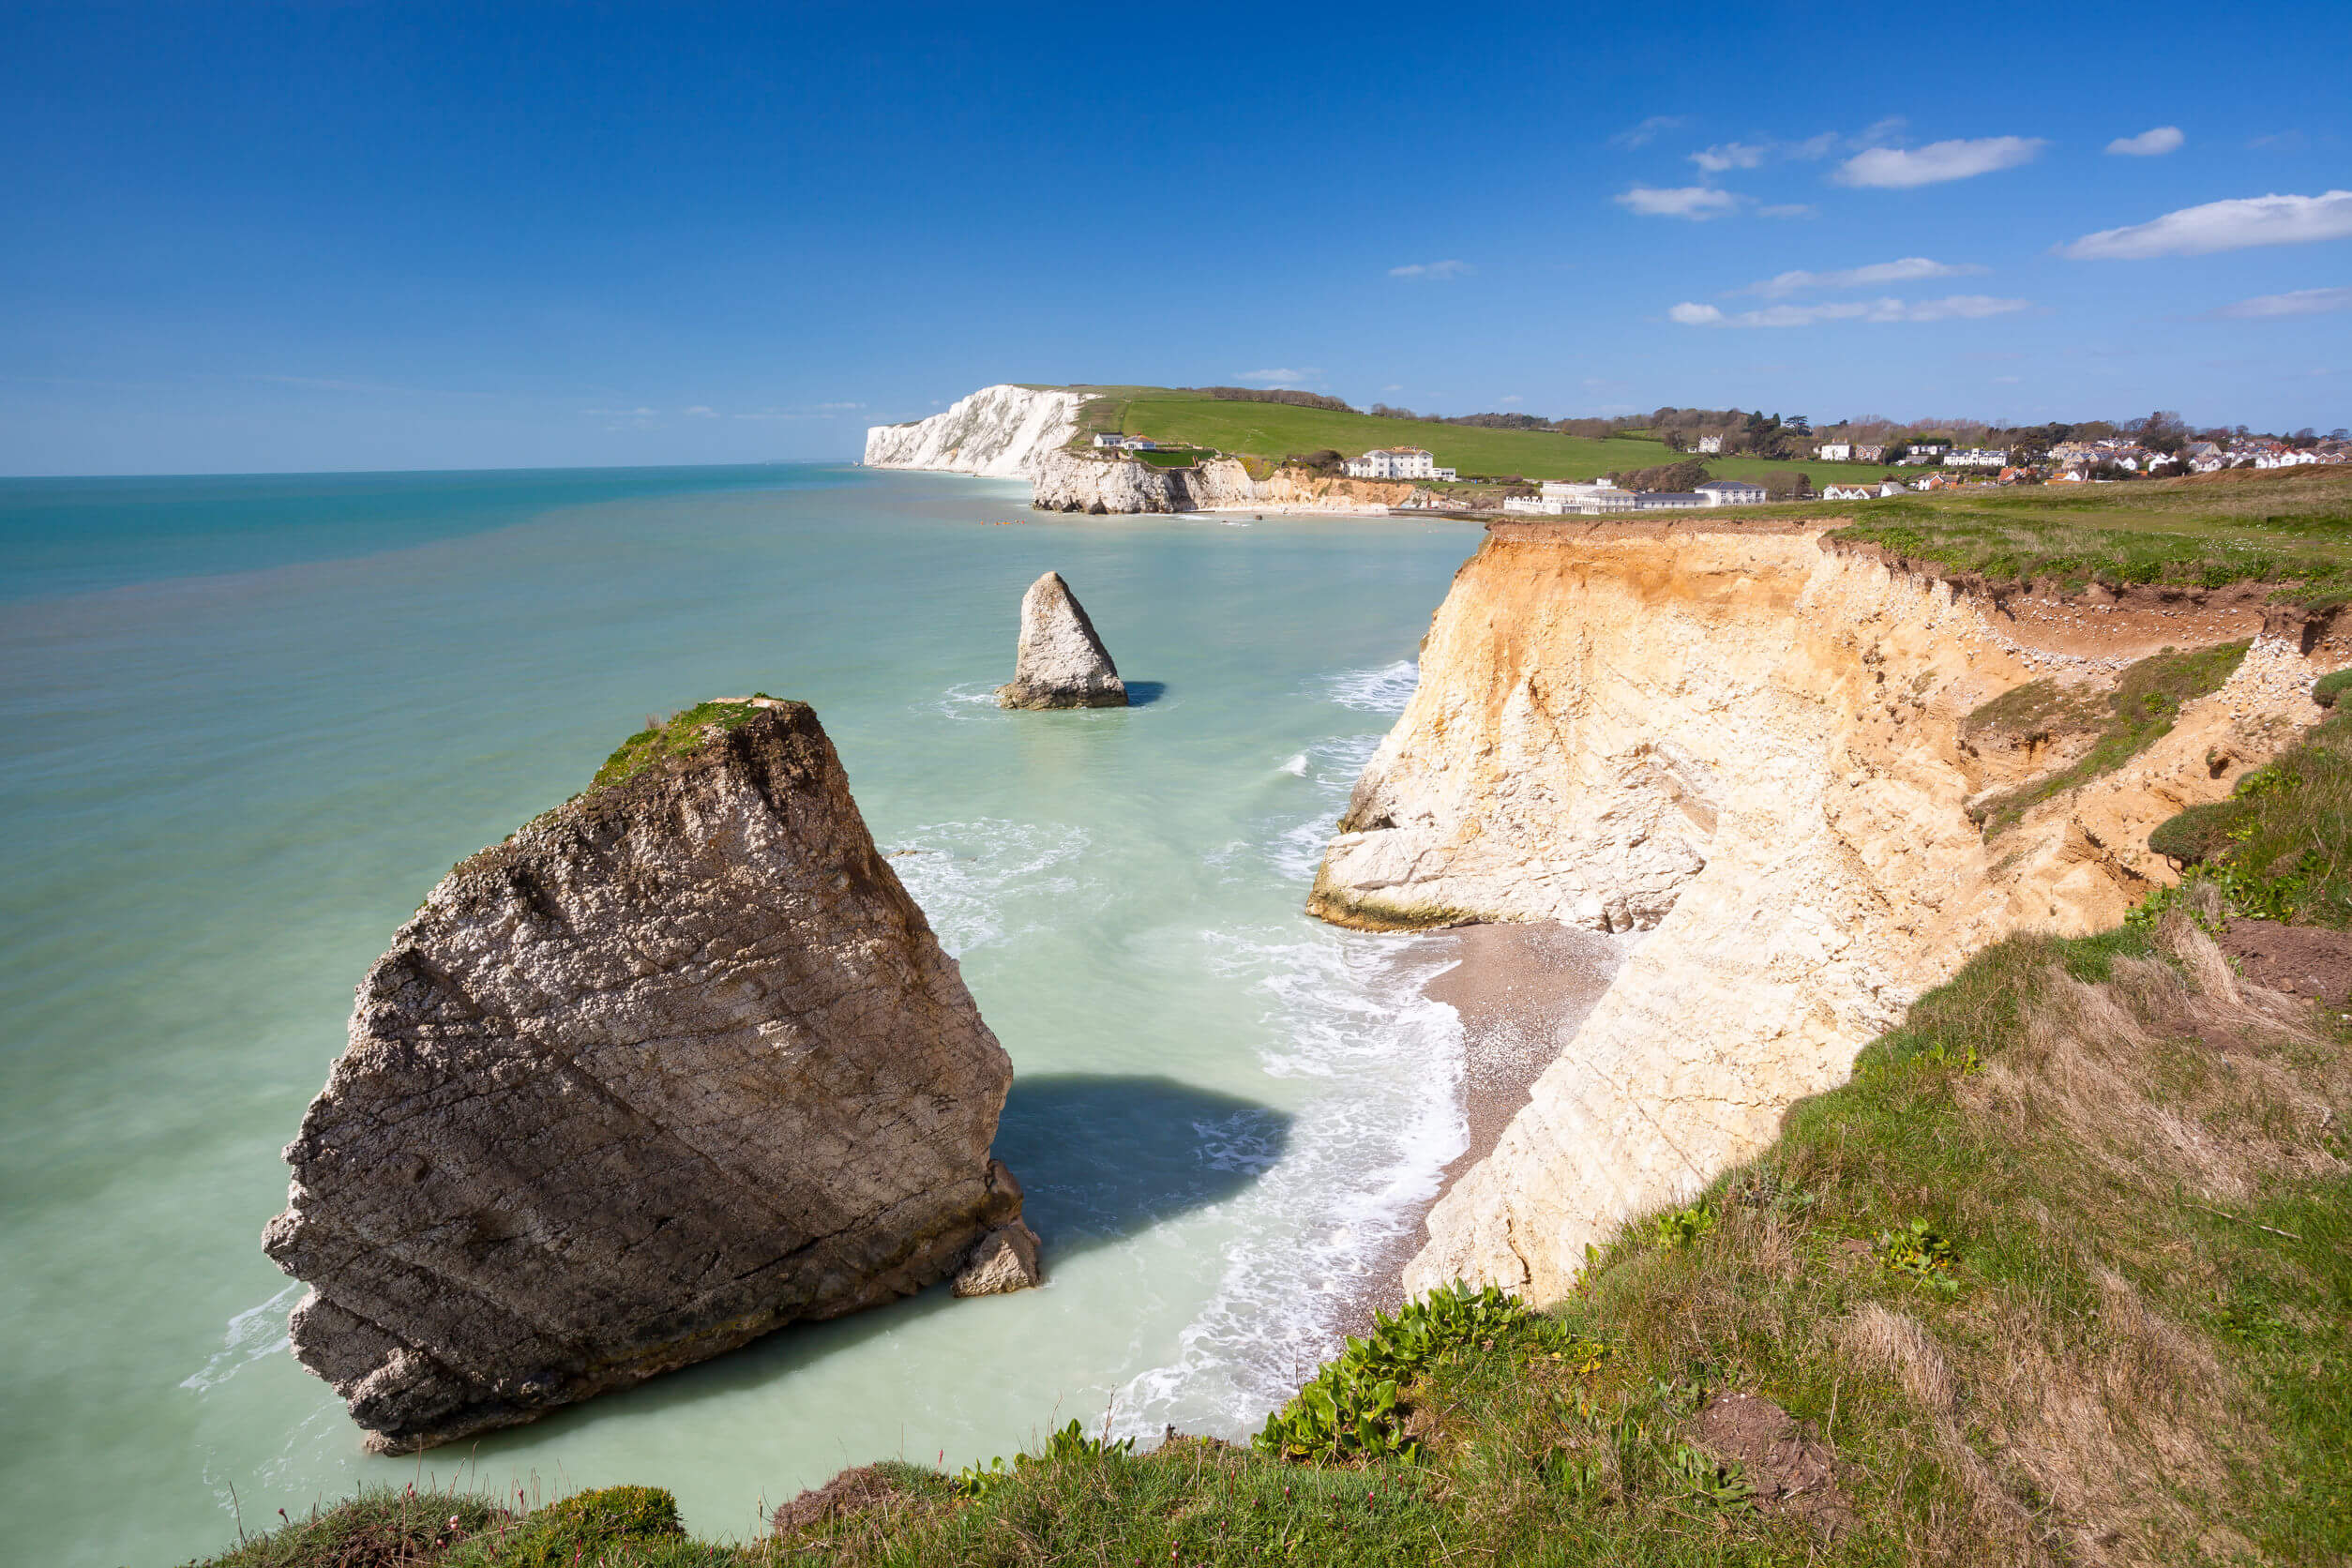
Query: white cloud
x=1694 y=202
x=1788 y=209
x=2302 y=302
x=1277 y=378
x=1909 y=269
x=1506 y=402
x=1755 y=154
x=1430 y=269
x=1732 y=155
x=698 y=412
x=1647 y=132
x=2231 y=225
x=2149 y=143
x=836 y=407
x=1894 y=168
x=1951 y=307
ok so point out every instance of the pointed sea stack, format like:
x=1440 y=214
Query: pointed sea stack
x=677 y=1064
x=1060 y=663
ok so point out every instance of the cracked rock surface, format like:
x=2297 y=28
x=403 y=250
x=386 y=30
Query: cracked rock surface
x=1059 y=663
x=676 y=1065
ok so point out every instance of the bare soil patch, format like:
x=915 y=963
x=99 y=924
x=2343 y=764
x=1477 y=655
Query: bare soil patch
x=2307 y=962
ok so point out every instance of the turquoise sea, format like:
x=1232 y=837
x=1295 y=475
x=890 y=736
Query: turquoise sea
x=246 y=724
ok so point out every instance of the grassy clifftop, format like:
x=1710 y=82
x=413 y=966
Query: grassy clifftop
x=1278 y=430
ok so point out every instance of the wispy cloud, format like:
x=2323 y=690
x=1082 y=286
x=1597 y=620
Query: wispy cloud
x=2149 y=143
x=1788 y=209
x=2282 y=141
x=1951 y=307
x=2231 y=225
x=1648 y=130
x=1755 y=154
x=1910 y=269
x=700 y=412
x=1698 y=203
x=622 y=412
x=1430 y=269
x=2301 y=302
x=1897 y=169
x=1279 y=377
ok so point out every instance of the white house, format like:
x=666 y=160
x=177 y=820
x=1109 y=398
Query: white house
x=1732 y=492
x=1836 y=491
x=1976 y=457
x=1561 y=497
x=1711 y=443
x=1396 y=462
x=1835 y=452
x=1127 y=443
x=1670 y=501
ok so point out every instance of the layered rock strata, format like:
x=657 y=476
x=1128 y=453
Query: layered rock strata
x=676 y=1065
x=1003 y=432
x=1060 y=662
x=1748 y=745
x=1073 y=481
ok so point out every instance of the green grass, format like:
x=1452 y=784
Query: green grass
x=2292 y=527
x=1276 y=429
x=2281 y=847
x=2138 y=714
x=681 y=732
x=2033 y=1320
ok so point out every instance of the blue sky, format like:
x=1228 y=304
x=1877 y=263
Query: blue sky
x=297 y=235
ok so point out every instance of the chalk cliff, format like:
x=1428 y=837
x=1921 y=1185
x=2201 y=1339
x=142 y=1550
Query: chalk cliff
x=1750 y=745
x=677 y=1064
x=1082 y=482
x=1002 y=432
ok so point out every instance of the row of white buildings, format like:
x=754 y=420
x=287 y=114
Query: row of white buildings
x=1396 y=462
x=1564 y=497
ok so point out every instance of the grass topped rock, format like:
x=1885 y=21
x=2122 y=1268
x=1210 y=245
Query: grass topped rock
x=676 y=1065
x=1060 y=663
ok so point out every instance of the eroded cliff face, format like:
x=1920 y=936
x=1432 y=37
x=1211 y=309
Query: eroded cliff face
x=1082 y=482
x=677 y=1064
x=1747 y=745
x=1002 y=432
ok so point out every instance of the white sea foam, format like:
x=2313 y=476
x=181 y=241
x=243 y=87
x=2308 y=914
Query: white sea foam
x=1385 y=690
x=252 y=1334
x=1362 y=1154
x=986 y=881
x=1295 y=767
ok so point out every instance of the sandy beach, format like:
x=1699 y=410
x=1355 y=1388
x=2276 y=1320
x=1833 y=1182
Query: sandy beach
x=1521 y=990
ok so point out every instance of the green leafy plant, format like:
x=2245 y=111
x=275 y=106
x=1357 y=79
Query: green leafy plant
x=1918 y=1251
x=1698 y=1475
x=1683 y=1225
x=1068 y=1445
x=1351 y=1409
x=580 y=1527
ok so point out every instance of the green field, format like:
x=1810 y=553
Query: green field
x=1278 y=430
x=2290 y=526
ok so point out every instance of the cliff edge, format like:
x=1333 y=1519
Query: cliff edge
x=676 y=1065
x=1001 y=432
x=1759 y=750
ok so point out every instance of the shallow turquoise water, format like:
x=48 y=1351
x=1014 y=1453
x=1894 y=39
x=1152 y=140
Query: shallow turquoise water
x=222 y=792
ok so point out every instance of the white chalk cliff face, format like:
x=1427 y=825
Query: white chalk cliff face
x=1002 y=432
x=1081 y=482
x=1747 y=745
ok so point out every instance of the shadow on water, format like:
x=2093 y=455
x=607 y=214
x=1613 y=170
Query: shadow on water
x=1099 y=1157
x=1142 y=694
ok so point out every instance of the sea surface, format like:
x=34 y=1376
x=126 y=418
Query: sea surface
x=246 y=724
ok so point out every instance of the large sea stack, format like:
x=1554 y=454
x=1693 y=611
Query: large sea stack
x=676 y=1065
x=1059 y=663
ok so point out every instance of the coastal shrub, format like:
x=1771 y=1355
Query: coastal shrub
x=587 y=1527
x=380 y=1527
x=1682 y=1227
x=1351 y=1409
x=2326 y=689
